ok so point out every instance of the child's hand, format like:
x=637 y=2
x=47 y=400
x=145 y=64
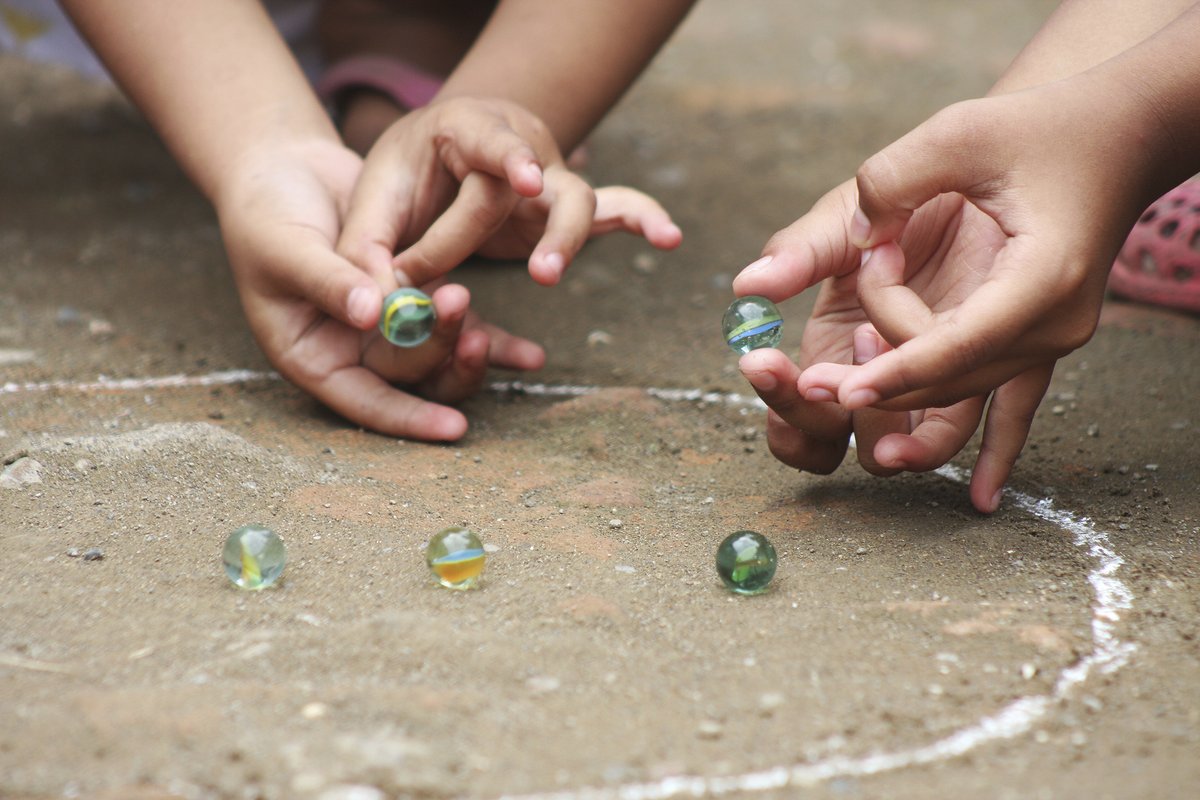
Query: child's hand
x=314 y=313
x=1055 y=213
x=466 y=176
x=949 y=247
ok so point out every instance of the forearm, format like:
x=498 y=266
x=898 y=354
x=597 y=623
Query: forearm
x=1159 y=79
x=567 y=61
x=1081 y=34
x=213 y=76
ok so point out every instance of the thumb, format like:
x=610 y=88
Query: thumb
x=312 y=271
x=950 y=152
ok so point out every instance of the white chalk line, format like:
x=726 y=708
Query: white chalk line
x=1018 y=717
x=104 y=384
x=228 y=377
x=1112 y=596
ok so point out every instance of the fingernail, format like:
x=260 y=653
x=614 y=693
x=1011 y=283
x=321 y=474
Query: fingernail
x=861 y=398
x=763 y=381
x=818 y=395
x=555 y=262
x=362 y=305
x=866 y=256
x=860 y=228
x=866 y=347
x=402 y=279
x=757 y=266
x=996 y=499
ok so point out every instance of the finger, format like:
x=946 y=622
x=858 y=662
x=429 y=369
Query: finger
x=802 y=450
x=896 y=311
x=1009 y=418
x=938 y=437
x=941 y=155
x=572 y=206
x=488 y=143
x=365 y=399
x=378 y=217
x=410 y=365
x=805 y=253
x=508 y=351
x=820 y=383
x=308 y=268
x=462 y=374
x=982 y=329
x=845 y=382
x=871 y=425
x=808 y=436
x=482 y=205
x=620 y=208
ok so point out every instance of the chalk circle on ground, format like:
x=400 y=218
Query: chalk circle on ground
x=1111 y=597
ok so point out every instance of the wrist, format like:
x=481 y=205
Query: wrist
x=270 y=164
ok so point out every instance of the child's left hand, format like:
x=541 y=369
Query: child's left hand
x=466 y=176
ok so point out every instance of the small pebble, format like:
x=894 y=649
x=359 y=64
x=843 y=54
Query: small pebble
x=645 y=263
x=21 y=472
x=314 y=710
x=100 y=328
x=770 y=702
x=94 y=554
x=615 y=523
x=542 y=684
x=596 y=338
x=1028 y=671
x=352 y=792
x=68 y=315
x=710 y=729
x=11 y=358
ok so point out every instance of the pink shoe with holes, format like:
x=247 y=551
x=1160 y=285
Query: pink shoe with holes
x=1160 y=261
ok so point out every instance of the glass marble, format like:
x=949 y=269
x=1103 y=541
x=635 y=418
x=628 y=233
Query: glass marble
x=746 y=562
x=455 y=556
x=407 y=317
x=750 y=323
x=254 y=557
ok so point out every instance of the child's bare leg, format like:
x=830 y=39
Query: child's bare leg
x=430 y=35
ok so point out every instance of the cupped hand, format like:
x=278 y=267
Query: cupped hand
x=943 y=254
x=314 y=313
x=1056 y=203
x=465 y=176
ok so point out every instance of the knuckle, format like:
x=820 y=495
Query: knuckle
x=876 y=180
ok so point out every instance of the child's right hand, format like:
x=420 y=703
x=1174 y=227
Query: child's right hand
x=466 y=176
x=984 y=261
x=314 y=313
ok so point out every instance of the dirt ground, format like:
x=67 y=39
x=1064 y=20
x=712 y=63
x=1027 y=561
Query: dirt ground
x=908 y=648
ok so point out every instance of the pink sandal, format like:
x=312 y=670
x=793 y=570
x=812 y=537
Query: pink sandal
x=1160 y=261
x=409 y=86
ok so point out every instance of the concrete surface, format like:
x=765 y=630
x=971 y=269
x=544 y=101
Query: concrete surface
x=909 y=647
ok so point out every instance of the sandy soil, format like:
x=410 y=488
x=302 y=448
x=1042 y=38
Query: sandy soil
x=908 y=648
